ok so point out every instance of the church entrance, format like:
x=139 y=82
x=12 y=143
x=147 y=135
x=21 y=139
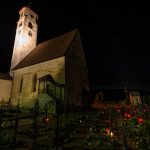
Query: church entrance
x=52 y=88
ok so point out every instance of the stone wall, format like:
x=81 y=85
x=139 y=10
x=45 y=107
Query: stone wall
x=55 y=68
x=76 y=73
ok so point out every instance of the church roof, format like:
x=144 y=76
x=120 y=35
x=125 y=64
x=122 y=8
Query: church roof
x=51 y=49
x=5 y=76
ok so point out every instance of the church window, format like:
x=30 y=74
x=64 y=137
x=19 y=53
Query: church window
x=26 y=14
x=30 y=25
x=30 y=33
x=34 y=82
x=19 y=32
x=20 y=24
x=21 y=85
x=32 y=16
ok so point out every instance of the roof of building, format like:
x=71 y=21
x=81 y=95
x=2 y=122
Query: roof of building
x=5 y=76
x=48 y=77
x=51 y=49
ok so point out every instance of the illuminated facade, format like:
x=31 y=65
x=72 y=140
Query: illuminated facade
x=26 y=35
x=54 y=69
x=50 y=71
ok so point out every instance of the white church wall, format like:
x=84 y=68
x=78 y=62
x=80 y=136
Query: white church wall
x=55 y=67
x=5 y=86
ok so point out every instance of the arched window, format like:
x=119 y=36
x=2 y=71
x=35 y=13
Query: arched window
x=34 y=82
x=19 y=32
x=30 y=33
x=21 y=15
x=20 y=24
x=32 y=16
x=30 y=25
x=21 y=85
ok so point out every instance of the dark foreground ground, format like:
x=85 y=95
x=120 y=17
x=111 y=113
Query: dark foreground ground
x=105 y=127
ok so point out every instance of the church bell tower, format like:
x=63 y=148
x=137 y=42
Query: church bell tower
x=26 y=35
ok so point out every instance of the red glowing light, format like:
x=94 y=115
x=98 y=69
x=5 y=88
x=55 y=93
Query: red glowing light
x=144 y=110
x=127 y=115
x=46 y=120
x=140 y=120
x=107 y=130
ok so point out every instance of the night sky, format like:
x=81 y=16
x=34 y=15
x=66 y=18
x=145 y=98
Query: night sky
x=115 y=41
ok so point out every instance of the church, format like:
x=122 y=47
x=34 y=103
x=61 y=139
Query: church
x=52 y=70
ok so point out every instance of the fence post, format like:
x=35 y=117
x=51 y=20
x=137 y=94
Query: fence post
x=57 y=125
x=2 y=105
x=46 y=114
x=35 y=124
x=16 y=122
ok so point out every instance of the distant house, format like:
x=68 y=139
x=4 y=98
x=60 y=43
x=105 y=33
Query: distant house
x=5 y=86
x=135 y=98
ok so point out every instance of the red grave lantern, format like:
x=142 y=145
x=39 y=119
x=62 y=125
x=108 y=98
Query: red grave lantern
x=127 y=115
x=46 y=120
x=140 y=119
x=107 y=130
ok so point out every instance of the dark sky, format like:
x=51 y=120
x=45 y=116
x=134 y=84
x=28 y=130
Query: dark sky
x=115 y=40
